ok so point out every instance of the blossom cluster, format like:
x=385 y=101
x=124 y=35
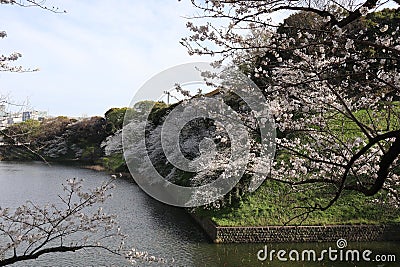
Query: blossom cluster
x=330 y=74
x=76 y=222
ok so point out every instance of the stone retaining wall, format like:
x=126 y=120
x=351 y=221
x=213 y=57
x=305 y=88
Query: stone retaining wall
x=330 y=233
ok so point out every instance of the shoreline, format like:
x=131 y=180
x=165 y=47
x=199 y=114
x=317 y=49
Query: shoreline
x=95 y=167
x=74 y=162
x=297 y=234
x=101 y=168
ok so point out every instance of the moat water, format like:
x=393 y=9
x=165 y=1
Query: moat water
x=161 y=230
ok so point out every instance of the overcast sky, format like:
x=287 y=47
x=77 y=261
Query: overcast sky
x=95 y=56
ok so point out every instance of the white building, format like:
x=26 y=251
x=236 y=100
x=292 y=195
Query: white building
x=9 y=118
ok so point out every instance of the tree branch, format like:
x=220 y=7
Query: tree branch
x=39 y=253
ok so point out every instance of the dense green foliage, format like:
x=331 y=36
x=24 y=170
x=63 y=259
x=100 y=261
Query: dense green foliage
x=115 y=119
x=114 y=163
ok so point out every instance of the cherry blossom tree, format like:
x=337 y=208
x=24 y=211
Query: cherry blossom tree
x=76 y=223
x=33 y=3
x=6 y=61
x=332 y=83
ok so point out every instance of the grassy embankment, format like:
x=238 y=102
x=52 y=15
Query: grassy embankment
x=275 y=203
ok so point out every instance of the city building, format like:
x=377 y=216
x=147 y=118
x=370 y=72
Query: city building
x=9 y=118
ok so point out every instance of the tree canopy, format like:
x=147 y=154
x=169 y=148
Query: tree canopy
x=330 y=73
